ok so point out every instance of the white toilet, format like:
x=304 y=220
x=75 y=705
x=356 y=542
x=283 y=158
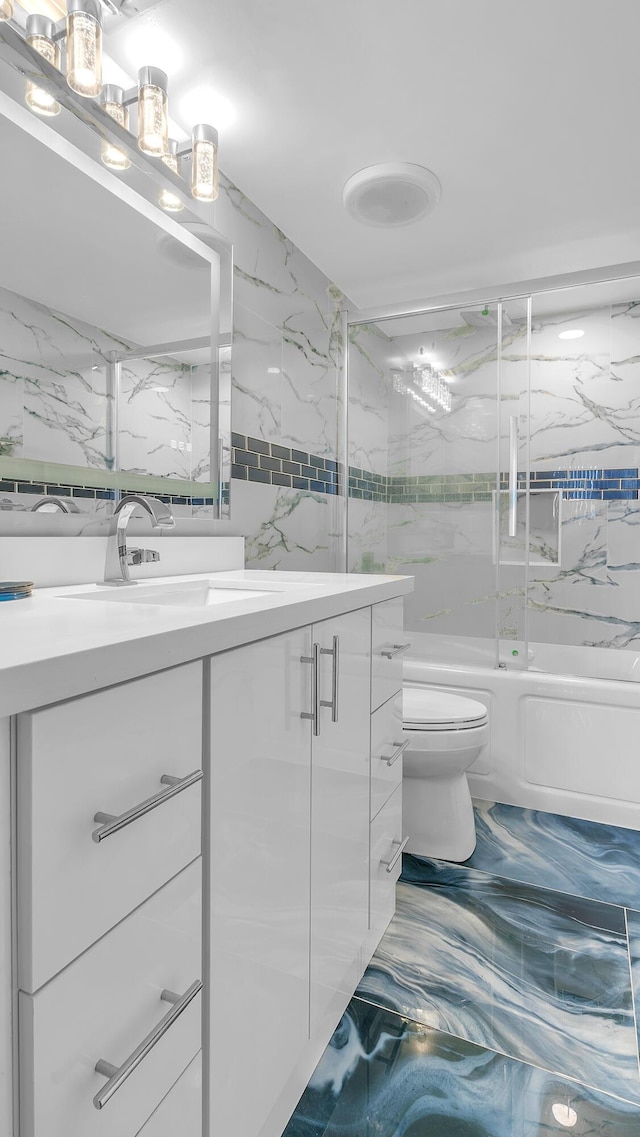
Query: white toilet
x=448 y=732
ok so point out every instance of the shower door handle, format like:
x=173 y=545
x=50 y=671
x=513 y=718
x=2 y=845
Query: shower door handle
x=513 y=475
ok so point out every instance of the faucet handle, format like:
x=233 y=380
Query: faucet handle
x=141 y=556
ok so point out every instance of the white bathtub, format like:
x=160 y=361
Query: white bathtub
x=563 y=743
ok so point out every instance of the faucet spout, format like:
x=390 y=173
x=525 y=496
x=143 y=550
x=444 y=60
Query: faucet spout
x=118 y=557
x=50 y=504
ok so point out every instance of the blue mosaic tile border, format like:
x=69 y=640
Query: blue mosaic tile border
x=96 y=493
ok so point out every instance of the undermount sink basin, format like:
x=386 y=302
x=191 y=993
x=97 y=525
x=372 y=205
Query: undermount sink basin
x=187 y=594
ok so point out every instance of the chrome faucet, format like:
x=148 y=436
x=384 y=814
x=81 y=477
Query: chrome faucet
x=49 y=504
x=116 y=570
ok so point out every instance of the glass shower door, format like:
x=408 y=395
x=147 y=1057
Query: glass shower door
x=423 y=455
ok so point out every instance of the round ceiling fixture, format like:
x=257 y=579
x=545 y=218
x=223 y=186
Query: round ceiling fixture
x=391 y=194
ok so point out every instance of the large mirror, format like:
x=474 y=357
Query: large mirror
x=114 y=330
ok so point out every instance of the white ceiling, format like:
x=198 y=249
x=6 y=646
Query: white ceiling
x=525 y=111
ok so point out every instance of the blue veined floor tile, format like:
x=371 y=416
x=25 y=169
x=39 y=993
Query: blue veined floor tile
x=585 y=858
x=385 y=1076
x=537 y=975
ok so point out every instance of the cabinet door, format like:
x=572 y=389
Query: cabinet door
x=260 y=836
x=340 y=814
x=181 y=1111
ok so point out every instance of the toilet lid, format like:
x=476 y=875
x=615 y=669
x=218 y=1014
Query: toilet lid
x=424 y=708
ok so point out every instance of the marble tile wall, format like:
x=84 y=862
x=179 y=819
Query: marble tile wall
x=441 y=469
x=287 y=360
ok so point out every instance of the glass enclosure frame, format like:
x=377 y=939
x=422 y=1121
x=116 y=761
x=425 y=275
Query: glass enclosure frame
x=537 y=507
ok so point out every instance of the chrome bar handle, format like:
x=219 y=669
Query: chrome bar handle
x=335 y=677
x=397 y=649
x=118 y=1075
x=111 y=823
x=314 y=713
x=402 y=746
x=396 y=856
x=513 y=475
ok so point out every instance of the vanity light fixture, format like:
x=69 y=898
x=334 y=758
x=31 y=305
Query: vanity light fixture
x=153 y=119
x=81 y=29
x=84 y=47
x=40 y=33
x=170 y=201
x=204 y=174
x=112 y=100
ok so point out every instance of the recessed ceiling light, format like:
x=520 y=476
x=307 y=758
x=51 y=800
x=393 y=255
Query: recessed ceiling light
x=571 y=334
x=391 y=194
x=159 y=388
x=564 y=1114
x=204 y=104
x=273 y=370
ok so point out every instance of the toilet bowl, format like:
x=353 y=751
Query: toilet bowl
x=447 y=732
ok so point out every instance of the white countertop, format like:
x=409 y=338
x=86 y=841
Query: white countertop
x=54 y=647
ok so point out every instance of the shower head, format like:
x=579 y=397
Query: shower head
x=485 y=318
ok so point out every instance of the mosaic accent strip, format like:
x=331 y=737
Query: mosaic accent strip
x=92 y=493
x=255 y=460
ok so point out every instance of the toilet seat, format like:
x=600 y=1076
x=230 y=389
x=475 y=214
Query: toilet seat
x=425 y=709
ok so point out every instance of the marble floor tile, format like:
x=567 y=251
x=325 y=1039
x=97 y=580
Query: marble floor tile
x=534 y=974
x=385 y=1076
x=565 y=853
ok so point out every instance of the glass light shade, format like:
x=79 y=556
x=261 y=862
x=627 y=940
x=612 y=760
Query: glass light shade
x=153 y=117
x=204 y=173
x=84 y=54
x=41 y=101
x=6 y=9
x=170 y=201
x=112 y=156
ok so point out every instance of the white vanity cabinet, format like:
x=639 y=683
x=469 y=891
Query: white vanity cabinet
x=290 y=861
x=260 y=841
x=340 y=813
x=196 y=865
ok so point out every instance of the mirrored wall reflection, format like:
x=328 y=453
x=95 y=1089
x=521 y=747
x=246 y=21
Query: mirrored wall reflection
x=507 y=479
x=112 y=377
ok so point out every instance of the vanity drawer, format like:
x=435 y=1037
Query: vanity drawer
x=181 y=1111
x=102 y=753
x=387 y=642
x=102 y=1007
x=387 y=740
x=386 y=841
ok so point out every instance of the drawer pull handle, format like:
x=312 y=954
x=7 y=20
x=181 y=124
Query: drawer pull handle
x=397 y=649
x=110 y=823
x=396 y=856
x=118 y=1075
x=402 y=746
x=335 y=677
